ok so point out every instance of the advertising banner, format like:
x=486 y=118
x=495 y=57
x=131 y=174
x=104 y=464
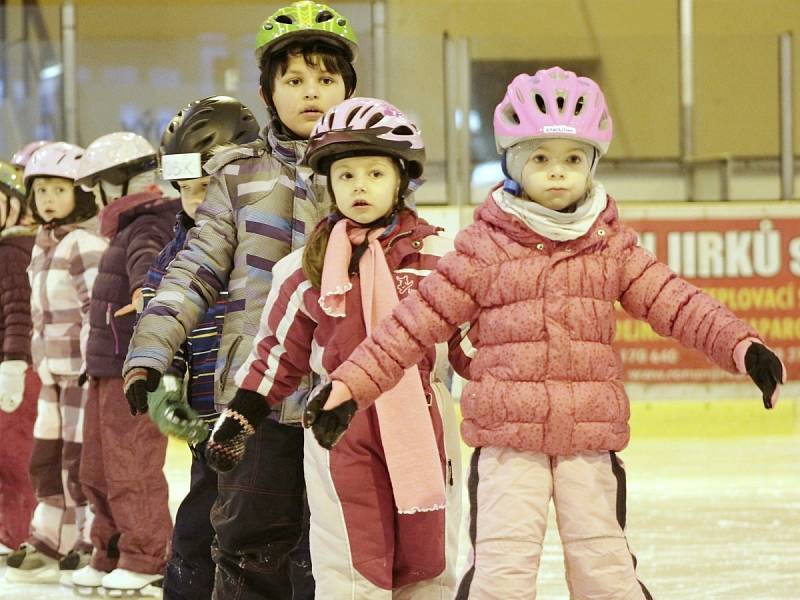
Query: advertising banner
x=747 y=257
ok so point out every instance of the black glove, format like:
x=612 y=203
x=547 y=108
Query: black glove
x=225 y=447
x=138 y=382
x=765 y=369
x=328 y=425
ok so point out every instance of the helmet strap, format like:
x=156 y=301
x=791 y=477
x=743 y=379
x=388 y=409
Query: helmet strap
x=512 y=187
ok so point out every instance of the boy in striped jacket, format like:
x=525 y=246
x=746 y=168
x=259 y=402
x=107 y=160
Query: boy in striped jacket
x=260 y=206
x=385 y=503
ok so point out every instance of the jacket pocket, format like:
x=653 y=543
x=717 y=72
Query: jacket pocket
x=223 y=376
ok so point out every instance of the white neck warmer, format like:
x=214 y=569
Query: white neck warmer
x=552 y=224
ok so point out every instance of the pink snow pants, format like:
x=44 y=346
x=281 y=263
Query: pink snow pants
x=122 y=474
x=510 y=492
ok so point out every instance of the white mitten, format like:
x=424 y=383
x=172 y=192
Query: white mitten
x=12 y=384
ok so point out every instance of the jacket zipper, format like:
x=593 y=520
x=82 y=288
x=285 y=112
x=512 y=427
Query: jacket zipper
x=400 y=235
x=224 y=375
x=110 y=322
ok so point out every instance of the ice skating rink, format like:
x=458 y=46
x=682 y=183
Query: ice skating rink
x=713 y=504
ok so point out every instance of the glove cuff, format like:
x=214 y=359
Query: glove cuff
x=740 y=350
x=248 y=408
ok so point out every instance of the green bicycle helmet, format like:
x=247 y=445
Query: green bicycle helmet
x=306 y=19
x=11 y=182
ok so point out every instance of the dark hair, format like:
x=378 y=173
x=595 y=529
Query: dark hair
x=313 y=52
x=85 y=207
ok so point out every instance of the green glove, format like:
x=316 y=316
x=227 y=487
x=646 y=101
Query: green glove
x=172 y=414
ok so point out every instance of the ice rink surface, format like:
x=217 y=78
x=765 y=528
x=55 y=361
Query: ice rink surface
x=715 y=519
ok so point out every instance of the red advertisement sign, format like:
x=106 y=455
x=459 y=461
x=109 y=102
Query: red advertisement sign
x=752 y=265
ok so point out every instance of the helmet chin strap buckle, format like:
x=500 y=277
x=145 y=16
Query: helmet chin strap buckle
x=512 y=187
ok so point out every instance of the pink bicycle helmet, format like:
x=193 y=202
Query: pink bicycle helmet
x=553 y=103
x=366 y=126
x=54 y=160
x=23 y=155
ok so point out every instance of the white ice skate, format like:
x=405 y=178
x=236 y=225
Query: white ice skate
x=75 y=560
x=122 y=583
x=28 y=565
x=87 y=581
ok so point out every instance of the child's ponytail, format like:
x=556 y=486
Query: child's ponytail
x=314 y=251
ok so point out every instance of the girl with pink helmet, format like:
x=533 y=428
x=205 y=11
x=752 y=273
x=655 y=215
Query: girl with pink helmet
x=385 y=502
x=62 y=270
x=545 y=408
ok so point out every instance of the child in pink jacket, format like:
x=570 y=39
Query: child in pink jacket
x=378 y=529
x=541 y=268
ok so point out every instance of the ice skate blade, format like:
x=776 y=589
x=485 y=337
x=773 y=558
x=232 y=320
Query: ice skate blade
x=86 y=591
x=148 y=591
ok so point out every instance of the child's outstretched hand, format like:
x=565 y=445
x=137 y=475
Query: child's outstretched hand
x=225 y=447
x=329 y=413
x=764 y=368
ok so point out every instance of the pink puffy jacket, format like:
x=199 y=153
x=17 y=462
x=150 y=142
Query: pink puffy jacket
x=545 y=376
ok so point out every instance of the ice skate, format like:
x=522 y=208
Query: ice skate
x=28 y=565
x=87 y=581
x=122 y=583
x=4 y=553
x=72 y=562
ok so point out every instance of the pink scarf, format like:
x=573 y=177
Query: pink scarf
x=409 y=444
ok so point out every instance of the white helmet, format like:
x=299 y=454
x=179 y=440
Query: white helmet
x=54 y=160
x=116 y=158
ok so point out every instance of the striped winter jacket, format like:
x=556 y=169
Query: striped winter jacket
x=16 y=245
x=545 y=376
x=297 y=337
x=259 y=207
x=198 y=354
x=62 y=272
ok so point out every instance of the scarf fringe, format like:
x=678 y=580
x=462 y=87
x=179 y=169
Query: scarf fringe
x=417 y=509
x=339 y=290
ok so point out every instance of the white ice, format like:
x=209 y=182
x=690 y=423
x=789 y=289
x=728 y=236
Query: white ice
x=715 y=519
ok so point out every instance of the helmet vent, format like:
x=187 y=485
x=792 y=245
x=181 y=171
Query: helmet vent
x=402 y=130
x=579 y=106
x=351 y=116
x=560 y=102
x=323 y=16
x=285 y=19
x=341 y=22
x=511 y=115
x=374 y=120
x=540 y=103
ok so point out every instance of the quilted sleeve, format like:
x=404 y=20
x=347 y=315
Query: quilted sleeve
x=675 y=308
x=432 y=314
